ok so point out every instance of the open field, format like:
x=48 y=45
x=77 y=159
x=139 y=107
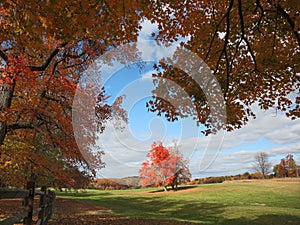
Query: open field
x=261 y=202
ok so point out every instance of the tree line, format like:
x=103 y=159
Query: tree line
x=287 y=166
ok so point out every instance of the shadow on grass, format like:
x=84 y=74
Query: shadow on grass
x=204 y=213
x=170 y=189
x=83 y=194
x=265 y=219
x=142 y=206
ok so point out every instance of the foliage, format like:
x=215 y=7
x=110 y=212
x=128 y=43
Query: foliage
x=46 y=166
x=252 y=47
x=164 y=167
x=115 y=183
x=287 y=167
x=44 y=48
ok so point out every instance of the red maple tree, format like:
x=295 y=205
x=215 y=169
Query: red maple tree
x=165 y=167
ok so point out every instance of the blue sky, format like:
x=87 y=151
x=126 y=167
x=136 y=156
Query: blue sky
x=126 y=150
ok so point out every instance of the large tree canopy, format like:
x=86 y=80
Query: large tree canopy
x=44 y=48
x=251 y=46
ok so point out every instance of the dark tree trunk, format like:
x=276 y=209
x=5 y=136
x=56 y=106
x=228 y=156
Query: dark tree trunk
x=6 y=94
x=3 y=131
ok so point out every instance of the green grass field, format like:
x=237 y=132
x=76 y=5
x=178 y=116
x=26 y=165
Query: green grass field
x=263 y=202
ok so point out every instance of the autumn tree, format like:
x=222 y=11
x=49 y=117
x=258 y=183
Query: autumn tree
x=262 y=163
x=252 y=48
x=44 y=48
x=164 y=167
x=287 y=167
x=183 y=174
x=276 y=170
x=293 y=168
x=47 y=166
x=282 y=168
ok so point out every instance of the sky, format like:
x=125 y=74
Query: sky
x=226 y=153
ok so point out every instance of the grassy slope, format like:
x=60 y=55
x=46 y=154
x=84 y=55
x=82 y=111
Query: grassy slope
x=227 y=203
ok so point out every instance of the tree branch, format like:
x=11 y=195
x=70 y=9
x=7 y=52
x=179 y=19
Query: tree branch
x=261 y=16
x=49 y=59
x=3 y=55
x=19 y=126
x=214 y=36
x=226 y=35
x=224 y=50
x=243 y=37
x=290 y=21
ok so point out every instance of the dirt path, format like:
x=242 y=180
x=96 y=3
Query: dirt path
x=69 y=211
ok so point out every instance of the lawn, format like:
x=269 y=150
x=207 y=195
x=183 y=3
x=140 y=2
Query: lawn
x=262 y=202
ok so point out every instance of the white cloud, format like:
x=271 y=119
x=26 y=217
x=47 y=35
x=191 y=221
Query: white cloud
x=148 y=75
x=243 y=161
x=147 y=29
x=277 y=129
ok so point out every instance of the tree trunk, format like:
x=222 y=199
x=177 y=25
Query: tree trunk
x=165 y=188
x=6 y=94
x=3 y=131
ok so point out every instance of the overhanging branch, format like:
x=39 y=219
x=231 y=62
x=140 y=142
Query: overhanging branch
x=49 y=59
x=290 y=21
x=20 y=126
